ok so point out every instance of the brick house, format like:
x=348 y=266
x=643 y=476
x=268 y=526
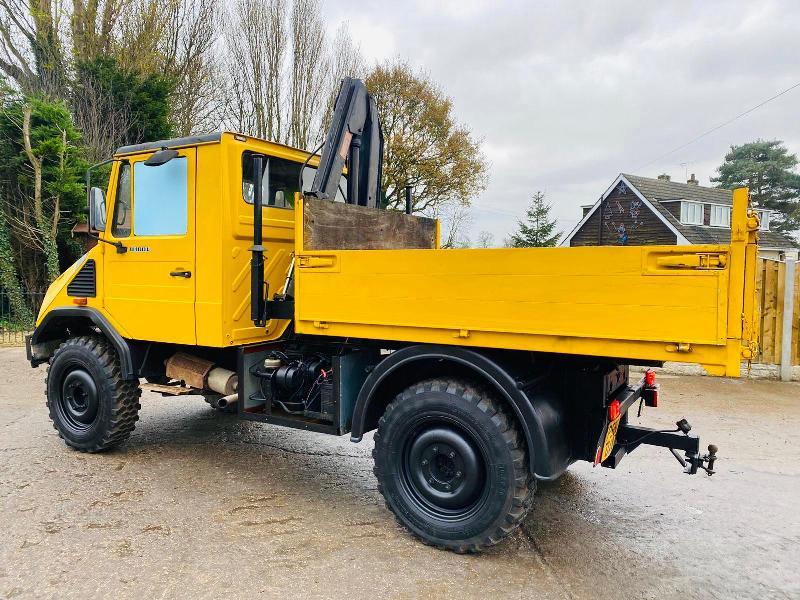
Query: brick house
x=638 y=211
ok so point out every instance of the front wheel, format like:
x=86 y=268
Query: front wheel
x=92 y=407
x=452 y=465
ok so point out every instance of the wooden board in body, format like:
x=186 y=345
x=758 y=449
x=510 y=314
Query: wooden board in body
x=336 y=226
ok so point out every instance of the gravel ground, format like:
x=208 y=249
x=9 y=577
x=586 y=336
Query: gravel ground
x=202 y=505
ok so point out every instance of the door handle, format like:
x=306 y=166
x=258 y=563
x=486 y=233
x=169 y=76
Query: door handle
x=184 y=274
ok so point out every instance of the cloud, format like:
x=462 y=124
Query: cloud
x=567 y=95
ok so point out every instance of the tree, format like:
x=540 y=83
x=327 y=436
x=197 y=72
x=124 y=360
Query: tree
x=41 y=181
x=538 y=230
x=32 y=47
x=425 y=147
x=767 y=168
x=485 y=240
x=284 y=71
x=115 y=106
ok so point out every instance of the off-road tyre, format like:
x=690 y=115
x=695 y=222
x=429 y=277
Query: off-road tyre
x=92 y=406
x=447 y=432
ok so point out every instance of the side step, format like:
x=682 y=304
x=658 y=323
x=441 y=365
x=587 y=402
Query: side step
x=168 y=389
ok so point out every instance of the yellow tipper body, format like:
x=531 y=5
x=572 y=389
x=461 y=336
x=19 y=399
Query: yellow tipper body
x=660 y=303
x=654 y=303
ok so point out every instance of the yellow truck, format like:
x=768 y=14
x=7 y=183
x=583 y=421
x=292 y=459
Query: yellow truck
x=272 y=282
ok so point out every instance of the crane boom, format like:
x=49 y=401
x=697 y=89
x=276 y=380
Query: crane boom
x=354 y=139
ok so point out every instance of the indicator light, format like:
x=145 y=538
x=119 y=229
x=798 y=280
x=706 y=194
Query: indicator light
x=614 y=410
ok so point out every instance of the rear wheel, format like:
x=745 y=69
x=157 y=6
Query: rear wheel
x=452 y=466
x=92 y=407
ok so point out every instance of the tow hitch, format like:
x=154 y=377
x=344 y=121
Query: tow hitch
x=694 y=461
x=631 y=437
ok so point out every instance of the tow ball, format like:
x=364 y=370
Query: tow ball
x=694 y=460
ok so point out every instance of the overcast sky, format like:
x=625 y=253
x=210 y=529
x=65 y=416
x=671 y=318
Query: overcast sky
x=566 y=95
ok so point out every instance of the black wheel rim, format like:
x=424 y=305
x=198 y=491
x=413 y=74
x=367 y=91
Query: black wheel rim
x=443 y=470
x=78 y=401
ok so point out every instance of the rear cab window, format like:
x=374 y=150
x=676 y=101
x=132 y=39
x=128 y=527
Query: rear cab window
x=280 y=181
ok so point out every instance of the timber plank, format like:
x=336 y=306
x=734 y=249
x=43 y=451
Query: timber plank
x=759 y=307
x=337 y=226
x=796 y=319
x=769 y=310
x=779 y=302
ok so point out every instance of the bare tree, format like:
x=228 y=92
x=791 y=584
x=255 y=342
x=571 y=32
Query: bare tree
x=485 y=240
x=256 y=43
x=188 y=58
x=345 y=60
x=283 y=73
x=454 y=218
x=32 y=52
x=103 y=126
x=308 y=69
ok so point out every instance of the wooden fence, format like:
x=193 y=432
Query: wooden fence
x=770 y=287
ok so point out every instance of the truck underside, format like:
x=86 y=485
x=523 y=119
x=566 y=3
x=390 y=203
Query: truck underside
x=482 y=371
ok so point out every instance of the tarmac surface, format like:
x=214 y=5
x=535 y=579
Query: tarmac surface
x=202 y=505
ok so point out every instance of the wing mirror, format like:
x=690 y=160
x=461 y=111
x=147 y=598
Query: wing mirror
x=97 y=209
x=161 y=157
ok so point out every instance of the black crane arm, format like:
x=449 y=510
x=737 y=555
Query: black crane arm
x=354 y=138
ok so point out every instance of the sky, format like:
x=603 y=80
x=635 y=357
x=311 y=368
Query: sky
x=566 y=95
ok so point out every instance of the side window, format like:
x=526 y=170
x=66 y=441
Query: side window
x=121 y=227
x=160 y=198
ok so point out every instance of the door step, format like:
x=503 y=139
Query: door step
x=168 y=389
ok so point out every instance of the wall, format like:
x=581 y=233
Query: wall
x=627 y=221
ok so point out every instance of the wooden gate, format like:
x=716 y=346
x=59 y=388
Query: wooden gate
x=770 y=287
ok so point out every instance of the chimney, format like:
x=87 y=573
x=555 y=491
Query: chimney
x=664 y=177
x=692 y=180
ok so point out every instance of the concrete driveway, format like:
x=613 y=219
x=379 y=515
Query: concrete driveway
x=202 y=505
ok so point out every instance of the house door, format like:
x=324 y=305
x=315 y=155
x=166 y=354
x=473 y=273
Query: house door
x=150 y=289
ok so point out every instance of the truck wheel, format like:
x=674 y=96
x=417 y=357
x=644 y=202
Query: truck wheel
x=92 y=407
x=452 y=466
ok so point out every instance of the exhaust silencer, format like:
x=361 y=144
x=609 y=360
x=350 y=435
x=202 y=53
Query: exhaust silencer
x=201 y=374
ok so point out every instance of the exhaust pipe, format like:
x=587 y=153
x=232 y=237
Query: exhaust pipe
x=224 y=401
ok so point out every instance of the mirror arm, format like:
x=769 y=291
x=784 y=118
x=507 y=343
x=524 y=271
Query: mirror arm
x=121 y=248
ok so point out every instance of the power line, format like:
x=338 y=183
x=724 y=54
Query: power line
x=721 y=125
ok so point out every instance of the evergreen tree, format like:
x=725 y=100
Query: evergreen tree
x=767 y=168
x=538 y=230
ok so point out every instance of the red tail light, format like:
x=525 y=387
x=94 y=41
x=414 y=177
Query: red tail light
x=649 y=377
x=614 y=410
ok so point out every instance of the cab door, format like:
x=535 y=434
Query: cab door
x=150 y=289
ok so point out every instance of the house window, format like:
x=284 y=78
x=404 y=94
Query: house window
x=763 y=218
x=720 y=216
x=691 y=213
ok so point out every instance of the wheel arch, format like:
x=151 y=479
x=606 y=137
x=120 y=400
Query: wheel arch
x=540 y=416
x=63 y=322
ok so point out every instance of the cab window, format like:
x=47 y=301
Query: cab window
x=160 y=197
x=280 y=181
x=123 y=214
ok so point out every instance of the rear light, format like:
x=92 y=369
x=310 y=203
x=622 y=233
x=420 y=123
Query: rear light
x=614 y=410
x=649 y=378
x=650 y=396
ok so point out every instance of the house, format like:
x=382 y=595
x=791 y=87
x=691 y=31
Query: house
x=638 y=211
